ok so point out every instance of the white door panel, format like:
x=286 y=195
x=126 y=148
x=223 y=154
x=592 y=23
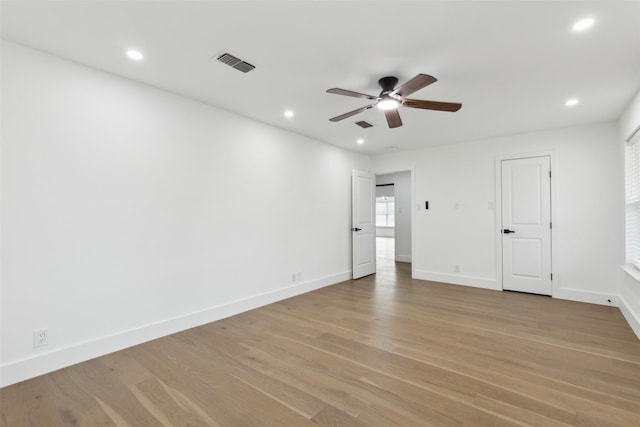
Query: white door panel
x=526 y=225
x=525 y=193
x=525 y=257
x=363 y=229
x=364 y=242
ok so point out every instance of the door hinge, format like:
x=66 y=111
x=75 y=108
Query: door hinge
x=551 y=276
x=549 y=174
x=550 y=225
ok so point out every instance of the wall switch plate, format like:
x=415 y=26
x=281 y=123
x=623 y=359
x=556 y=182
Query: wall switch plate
x=40 y=337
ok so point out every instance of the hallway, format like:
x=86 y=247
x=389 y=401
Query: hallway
x=388 y=270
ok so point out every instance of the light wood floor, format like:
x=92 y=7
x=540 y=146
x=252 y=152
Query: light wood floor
x=381 y=351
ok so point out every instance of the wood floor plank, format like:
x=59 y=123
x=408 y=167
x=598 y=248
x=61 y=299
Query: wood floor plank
x=169 y=407
x=385 y=350
x=32 y=405
x=332 y=417
x=213 y=389
x=113 y=396
x=74 y=404
x=541 y=388
x=451 y=351
x=453 y=384
x=461 y=359
x=216 y=347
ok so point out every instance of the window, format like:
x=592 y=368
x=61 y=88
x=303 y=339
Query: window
x=385 y=212
x=632 y=202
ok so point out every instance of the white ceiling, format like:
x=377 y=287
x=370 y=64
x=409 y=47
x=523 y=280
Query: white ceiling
x=512 y=64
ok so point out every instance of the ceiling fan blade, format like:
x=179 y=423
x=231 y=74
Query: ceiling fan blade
x=351 y=93
x=431 y=105
x=415 y=84
x=350 y=113
x=393 y=118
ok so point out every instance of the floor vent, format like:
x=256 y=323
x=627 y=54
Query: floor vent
x=237 y=63
x=364 y=124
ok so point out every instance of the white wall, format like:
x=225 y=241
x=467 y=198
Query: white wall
x=130 y=213
x=587 y=200
x=402 y=230
x=630 y=285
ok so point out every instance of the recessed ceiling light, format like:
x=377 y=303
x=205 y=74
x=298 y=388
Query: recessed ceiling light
x=288 y=114
x=135 y=55
x=571 y=102
x=360 y=141
x=583 y=24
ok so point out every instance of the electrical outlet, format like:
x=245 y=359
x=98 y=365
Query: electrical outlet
x=293 y=277
x=456 y=268
x=40 y=337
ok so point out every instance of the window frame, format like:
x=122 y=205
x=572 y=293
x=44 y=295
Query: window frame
x=387 y=200
x=632 y=201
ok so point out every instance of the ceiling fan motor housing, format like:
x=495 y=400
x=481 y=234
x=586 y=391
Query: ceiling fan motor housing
x=387 y=84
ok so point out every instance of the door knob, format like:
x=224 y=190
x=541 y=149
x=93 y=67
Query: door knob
x=507 y=231
x=356 y=229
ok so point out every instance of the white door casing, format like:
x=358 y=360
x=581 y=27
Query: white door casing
x=363 y=228
x=526 y=225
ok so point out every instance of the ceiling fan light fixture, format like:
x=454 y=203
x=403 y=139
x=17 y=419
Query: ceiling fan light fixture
x=387 y=103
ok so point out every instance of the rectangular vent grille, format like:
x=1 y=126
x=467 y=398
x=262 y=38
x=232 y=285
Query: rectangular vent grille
x=245 y=67
x=236 y=63
x=364 y=124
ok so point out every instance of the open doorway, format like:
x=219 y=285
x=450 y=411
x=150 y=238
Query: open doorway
x=393 y=221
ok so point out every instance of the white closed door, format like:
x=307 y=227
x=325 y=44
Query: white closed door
x=363 y=226
x=526 y=225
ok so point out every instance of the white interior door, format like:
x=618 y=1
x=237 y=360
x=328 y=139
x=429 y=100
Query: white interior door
x=526 y=225
x=363 y=228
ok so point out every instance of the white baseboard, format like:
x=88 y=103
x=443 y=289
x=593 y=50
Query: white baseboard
x=403 y=258
x=457 y=279
x=585 y=296
x=632 y=316
x=23 y=369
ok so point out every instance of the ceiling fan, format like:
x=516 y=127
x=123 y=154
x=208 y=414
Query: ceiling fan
x=391 y=98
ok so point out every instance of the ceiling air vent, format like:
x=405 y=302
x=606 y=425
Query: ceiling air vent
x=236 y=63
x=364 y=124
